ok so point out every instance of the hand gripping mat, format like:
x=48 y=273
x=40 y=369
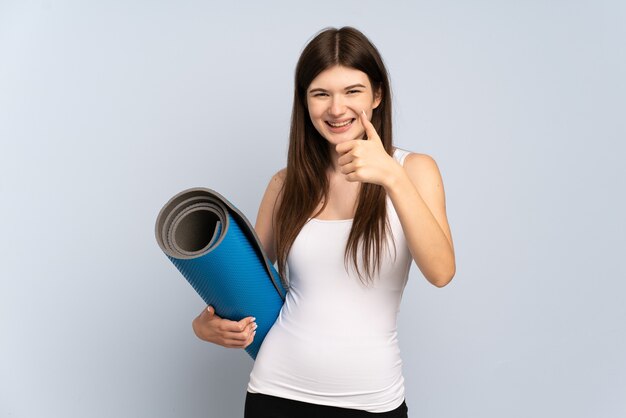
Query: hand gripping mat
x=215 y=247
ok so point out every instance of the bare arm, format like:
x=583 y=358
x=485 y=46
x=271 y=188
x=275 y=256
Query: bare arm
x=267 y=210
x=239 y=334
x=416 y=191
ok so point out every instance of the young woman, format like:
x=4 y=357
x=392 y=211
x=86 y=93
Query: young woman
x=343 y=221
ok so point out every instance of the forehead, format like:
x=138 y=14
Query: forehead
x=338 y=78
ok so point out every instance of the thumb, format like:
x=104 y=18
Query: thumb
x=211 y=312
x=370 y=131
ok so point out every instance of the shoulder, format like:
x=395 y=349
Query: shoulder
x=422 y=169
x=417 y=161
x=277 y=181
x=413 y=159
x=274 y=187
x=267 y=210
x=271 y=197
x=280 y=175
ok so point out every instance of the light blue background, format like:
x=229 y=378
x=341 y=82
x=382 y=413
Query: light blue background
x=107 y=109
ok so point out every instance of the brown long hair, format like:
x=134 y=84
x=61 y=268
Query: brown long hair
x=308 y=157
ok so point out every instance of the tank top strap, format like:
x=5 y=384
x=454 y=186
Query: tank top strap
x=400 y=155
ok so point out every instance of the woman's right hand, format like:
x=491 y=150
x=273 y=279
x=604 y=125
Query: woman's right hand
x=232 y=334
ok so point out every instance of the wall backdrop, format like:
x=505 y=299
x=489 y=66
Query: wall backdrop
x=107 y=109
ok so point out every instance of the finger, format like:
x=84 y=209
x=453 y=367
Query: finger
x=207 y=314
x=240 y=337
x=353 y=178
x=369 y=128
x=236 y=326
x=345 y=147
x=234 y=343
x=348 y=168
x=345 y=159
x=250 y=340
x=237 y=334
x=247 y=321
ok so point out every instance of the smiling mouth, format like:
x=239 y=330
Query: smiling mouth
x=340 y=124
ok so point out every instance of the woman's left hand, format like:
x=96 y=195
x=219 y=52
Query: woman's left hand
x=366 y=161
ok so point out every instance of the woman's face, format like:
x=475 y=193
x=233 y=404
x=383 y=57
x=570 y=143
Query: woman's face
x=335 y=99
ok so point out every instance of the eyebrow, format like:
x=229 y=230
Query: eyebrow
x=346 y=88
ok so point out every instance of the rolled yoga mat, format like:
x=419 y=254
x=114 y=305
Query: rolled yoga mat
x=215 y=247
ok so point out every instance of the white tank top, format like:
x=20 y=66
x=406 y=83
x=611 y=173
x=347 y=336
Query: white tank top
x=335 y=340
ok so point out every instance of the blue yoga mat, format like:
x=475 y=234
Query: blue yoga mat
x=215 y=247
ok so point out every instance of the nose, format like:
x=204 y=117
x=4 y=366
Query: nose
x=337 y=107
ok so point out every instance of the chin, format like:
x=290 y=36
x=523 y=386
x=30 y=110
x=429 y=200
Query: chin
x=336 y=140
x=343 y=137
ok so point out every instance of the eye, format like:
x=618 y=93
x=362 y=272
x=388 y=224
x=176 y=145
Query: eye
x=320 y=94
x=354 y=91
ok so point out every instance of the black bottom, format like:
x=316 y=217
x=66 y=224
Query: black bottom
x=259 y=405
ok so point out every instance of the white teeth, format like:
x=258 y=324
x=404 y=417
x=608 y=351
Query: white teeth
x=339 y=125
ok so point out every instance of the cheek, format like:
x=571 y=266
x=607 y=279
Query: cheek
x=314 y=118
x=370 y=102
x=314 y=114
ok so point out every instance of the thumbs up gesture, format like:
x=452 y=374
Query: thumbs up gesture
x=366 y=161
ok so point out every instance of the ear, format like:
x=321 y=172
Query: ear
x=378 y=97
